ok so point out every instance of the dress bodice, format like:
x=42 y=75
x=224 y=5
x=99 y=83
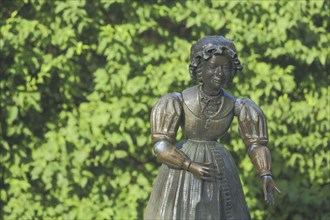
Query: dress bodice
x=186 y=110
x=197 y=124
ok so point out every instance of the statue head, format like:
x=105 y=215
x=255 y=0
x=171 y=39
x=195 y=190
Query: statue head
x=207 y=47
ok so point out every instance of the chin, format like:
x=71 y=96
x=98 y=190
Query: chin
x=218 y=84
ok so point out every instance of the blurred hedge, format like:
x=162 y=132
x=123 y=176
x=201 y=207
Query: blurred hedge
x=78 y=80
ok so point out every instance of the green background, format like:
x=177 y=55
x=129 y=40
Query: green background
x=79 y=78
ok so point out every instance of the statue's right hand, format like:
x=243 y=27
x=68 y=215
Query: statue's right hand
x=204 y=171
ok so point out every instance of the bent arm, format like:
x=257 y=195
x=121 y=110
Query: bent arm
x=165 y=120
x=168 y=154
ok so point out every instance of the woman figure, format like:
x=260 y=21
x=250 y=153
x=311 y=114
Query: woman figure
x=198 y=178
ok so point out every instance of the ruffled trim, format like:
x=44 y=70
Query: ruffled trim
x=209 y=50
x=207 y=47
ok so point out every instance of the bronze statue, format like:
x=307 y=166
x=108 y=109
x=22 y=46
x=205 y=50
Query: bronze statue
x=198 y=178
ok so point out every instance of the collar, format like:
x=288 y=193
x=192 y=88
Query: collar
x=207 y=99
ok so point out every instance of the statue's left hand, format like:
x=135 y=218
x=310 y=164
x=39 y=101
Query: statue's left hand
x=268 y=187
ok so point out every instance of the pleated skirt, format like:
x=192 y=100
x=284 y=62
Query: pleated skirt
x=177 y=194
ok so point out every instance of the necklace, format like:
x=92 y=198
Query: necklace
x=210 y=105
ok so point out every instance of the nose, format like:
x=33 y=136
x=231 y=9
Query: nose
x=219 y=72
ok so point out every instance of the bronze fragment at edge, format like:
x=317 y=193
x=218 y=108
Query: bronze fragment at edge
x=198 y=178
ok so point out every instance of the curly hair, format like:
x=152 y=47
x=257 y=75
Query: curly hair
x=208 y=46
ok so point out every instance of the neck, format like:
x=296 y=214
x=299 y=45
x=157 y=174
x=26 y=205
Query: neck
x=211 y=91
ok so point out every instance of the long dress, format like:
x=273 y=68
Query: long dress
x=178 y=194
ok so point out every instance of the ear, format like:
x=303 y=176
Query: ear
x=193 y=72
x=233 y=73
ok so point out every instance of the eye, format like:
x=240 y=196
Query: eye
x=213 y=67
x=226 y=68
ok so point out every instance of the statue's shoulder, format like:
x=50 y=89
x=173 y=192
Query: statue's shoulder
x=249 y=107
x=174 y=96
x=190 y=96
x=192 y=91
x=228 y=96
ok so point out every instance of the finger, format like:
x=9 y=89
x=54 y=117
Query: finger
x=208 y=178
x=208 y=164
x=271 y=197
x=208 y=173
x=207 y=169
x=265 y=190
x=267 y=199
x=277 y=190
x=211 y=170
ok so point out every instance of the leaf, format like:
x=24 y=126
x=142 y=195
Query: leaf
x=120 y=154
x=12 y=114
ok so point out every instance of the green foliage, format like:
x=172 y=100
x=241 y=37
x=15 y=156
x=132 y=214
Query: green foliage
x=78 y=80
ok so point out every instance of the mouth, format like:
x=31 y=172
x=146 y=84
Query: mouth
x=218 y=80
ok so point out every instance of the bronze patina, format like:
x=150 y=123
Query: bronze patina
x=198 y=178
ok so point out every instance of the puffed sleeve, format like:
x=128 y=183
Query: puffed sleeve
x=165 y=121
x=165 y=118
x=253 y=130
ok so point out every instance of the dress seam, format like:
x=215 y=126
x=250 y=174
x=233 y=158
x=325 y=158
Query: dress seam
x=223 y=181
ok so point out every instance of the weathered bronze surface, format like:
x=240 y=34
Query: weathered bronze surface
x=198 y=178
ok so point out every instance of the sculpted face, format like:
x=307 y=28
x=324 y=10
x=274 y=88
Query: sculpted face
x=216 y=72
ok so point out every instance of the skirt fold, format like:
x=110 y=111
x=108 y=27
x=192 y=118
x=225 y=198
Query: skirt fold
x=177 y=194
